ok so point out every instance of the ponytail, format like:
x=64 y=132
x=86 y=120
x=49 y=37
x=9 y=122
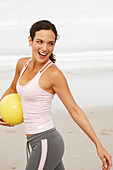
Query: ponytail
x=52 y=58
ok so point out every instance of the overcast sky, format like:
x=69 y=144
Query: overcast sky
x=81 y=24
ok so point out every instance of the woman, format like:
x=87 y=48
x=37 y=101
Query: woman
x=36 y=80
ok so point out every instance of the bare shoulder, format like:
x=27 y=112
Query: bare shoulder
x=21 y=62
x=56 y=74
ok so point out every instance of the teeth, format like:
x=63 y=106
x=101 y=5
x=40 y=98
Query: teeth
x=43 y=54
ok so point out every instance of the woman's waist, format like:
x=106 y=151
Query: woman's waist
x=49 y=133
x=37 y=127
x=37 y=118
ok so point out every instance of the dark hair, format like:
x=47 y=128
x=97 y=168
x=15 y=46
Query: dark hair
x=44 y=25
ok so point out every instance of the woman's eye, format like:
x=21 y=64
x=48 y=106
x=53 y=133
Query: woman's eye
x=39 y=41
x=51 y=43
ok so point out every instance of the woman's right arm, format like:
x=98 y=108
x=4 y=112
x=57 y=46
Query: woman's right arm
x=12 y=88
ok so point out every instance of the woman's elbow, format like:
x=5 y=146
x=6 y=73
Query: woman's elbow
x=75 y=111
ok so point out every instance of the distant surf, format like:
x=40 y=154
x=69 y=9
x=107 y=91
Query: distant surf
x=78 y=61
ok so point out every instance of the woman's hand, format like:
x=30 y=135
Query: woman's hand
x=5 y=123
x=105 y=158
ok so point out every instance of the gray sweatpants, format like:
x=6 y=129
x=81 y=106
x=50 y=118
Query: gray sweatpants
x=47 y=151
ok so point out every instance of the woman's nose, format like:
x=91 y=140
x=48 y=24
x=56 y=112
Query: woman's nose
x=44 y=47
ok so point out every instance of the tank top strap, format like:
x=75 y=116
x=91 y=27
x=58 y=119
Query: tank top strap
x=28 y=62
x=25 y=66
x=44 y=68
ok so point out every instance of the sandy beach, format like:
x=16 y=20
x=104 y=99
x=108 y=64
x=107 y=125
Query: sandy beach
x=80 y=152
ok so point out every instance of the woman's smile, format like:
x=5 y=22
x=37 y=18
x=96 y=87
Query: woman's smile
x=42 y=45
x=42 y=55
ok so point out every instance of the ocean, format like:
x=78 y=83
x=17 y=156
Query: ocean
x=87 y=61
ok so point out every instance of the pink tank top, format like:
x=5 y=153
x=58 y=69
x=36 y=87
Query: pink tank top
x=36 y=103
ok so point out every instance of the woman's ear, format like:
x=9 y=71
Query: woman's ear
x=30 y=41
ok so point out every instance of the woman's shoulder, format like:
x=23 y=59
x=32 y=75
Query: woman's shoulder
x=21 y=62
x=55 y=72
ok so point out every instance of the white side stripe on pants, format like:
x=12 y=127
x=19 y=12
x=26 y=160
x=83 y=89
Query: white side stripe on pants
x=43 y=154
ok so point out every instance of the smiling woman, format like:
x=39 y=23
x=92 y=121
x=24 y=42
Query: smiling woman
x=42 y=44
x=36 y=81
x=45 y=25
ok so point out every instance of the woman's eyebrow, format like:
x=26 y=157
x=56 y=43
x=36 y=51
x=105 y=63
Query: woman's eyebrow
x=51 y=41
x=39 y=39
x=42 y=40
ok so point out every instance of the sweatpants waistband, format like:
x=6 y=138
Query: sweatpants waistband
x=40 y=136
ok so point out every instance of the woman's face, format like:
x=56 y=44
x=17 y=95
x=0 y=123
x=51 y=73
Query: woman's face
x=42 y=45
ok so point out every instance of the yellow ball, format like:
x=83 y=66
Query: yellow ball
x=11 y=109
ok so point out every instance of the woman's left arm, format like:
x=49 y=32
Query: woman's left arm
x=60 y=86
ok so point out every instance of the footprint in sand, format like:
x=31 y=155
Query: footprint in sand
x=106 y=132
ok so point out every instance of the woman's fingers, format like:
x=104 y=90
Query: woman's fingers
x=107 y=163
x=0 y=117
x=105 y=158
x=104 y=166
x=5 y=123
